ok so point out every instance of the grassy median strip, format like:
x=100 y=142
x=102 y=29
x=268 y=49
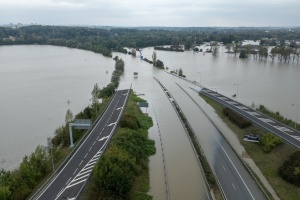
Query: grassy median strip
x=268 y=163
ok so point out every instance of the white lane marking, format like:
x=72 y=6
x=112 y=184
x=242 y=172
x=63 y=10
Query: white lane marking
x=90 y=148
x=266 y=120
x=235 y=168
x=284 y=129
x=75 y=183
x=80 y=162
x=242 y=107
x=75 y=171
x=111 y=124
x=296 y=137
x=86 y=155
x=232 y=102
x=104 y=138
x=80 y=177
x=59 y=193
x=94 y=143
x=68 y=181
x=233 y=186
x=119 y=108
x=224 y=168
x=252 y=113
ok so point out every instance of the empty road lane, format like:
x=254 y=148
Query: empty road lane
x=70 y=180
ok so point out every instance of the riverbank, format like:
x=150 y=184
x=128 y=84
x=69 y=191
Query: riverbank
x=263 y=165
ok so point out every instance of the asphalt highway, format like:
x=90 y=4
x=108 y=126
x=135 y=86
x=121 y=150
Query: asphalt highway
x=234 y=179
x=71 y=179
x=290 y=135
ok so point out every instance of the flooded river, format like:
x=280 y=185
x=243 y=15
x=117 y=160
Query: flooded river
x=36 y=82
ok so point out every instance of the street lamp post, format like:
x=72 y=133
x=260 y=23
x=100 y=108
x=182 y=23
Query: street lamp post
x=296 y=114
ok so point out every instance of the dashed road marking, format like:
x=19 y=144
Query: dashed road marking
x=233 y=186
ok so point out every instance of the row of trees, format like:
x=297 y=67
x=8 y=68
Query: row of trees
x=106 y=40
x=282 y=52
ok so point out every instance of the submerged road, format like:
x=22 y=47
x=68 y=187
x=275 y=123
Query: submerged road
x=290 y=135
x=71 y=179
x=234 y=179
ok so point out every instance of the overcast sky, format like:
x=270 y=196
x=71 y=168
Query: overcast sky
x=184 y=13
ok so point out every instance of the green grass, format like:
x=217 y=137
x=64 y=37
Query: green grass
x=268 y=163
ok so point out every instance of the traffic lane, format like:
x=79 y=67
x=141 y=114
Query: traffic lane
x=237 y=183
x=289 y=137
x=62 y=178
x=227 y=178
x=78 y=182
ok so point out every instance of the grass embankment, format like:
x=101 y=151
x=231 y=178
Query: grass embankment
x=268 y=163
x=123 y=170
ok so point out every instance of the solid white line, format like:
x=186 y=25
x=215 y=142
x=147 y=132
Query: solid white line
x=233 y=186
x=235 y=169
x=60 y=193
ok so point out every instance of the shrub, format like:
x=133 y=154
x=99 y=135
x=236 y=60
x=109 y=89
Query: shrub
x=290 y=170
x=129 y=121
x=269 y=141
x=236 y=118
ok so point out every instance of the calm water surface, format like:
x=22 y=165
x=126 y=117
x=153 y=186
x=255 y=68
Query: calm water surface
x=37 y=81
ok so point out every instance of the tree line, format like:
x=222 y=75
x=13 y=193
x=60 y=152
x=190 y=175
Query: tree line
x=105 y=41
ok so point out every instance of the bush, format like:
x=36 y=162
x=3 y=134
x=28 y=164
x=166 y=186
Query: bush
x=290 y=170
x=129 y=121
x=236 y=118
x=269 y=141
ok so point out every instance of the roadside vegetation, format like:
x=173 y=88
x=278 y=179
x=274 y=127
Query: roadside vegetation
x=123 y=172
x=270 y=155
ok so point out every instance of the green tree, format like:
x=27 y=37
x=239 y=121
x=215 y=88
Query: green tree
x=115 y=171
x=180 y=73
x=4 y=192
x=243 y=54
x=95 y=95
